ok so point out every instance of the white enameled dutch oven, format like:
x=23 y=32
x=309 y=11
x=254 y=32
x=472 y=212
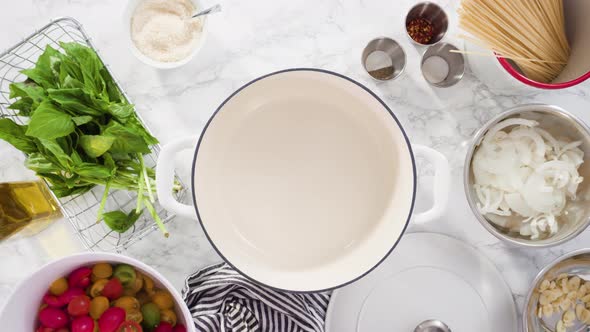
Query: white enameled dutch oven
x=303 y=180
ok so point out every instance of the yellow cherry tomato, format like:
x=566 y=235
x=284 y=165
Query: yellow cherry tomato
x=128 y=303
x=134 y=287
x=135 y=316
x=96 y=288
x=98 y=305
x=58 y=287
x=163 y=299
x=102 y=271
x=138 y=283
x=167 y=315
x=148 y=285
x=129 y=292
x=143 y=297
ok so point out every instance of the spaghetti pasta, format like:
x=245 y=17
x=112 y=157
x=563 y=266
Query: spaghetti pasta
x=529 y=32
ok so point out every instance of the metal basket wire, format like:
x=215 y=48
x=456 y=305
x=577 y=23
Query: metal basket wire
x=80 y=210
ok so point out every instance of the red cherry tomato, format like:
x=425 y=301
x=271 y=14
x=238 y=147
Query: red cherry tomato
x=52 y=300
x=179 y=328
x=44 y=329
x=53 y=317
x=130 y=326
x=79 y=306
x=113 y=289
x=83 y=324
x=80 y=277
x=164 y=327
x=111 y=319
x=70 y=294
x=49 y=329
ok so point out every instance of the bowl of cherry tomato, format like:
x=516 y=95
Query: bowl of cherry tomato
x=96 y=292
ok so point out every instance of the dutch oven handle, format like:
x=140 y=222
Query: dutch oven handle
x=165 y=177
x=442 y=183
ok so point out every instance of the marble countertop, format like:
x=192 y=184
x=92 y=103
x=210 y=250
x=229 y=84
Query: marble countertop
x=252 y=38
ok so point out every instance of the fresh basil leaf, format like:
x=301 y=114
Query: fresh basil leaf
x=109 y=162
x=49 y=122
x=93 y=171
x=55 y=150
x=120 y=222
x=15 y=135
x=65 y=143
x=90 y=66
x=74 y=101
x=126 y=139
x=81 y=120
x=64 y=191
x=134 y=124
x=44 y=72
x=40 y=164
x=31 y=90
x=95 y=145
x=71 y=83
x=23 y=105
x=113 y=92
x=76 y=159
x=120 y=111
x=30 y=94
x=70 y=68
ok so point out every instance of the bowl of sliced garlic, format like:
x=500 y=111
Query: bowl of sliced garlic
x=559 y=299
x=524 y=176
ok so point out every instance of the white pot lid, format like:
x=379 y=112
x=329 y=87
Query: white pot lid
x=428 y=276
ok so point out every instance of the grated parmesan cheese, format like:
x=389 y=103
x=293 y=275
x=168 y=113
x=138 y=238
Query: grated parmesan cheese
x=163 y=30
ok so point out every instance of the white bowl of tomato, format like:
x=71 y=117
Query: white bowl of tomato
x=96 y=292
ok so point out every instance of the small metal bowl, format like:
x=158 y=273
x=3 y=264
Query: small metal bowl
x=455 y=63
x=434 y=14
x=559 y=123
x=573 y=263
x=391 y=54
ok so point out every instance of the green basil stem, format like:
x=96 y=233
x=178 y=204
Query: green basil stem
x=139 y=193
x=152 y=211
x=146 y=178
x=103 y=201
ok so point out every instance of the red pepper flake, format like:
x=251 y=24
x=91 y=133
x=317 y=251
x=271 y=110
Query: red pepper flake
x=421 y=30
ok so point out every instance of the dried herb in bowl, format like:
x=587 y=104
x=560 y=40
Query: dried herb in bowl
x=81 y=131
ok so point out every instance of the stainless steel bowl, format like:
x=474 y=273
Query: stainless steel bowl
x=573 y=263
x=433 y=13
x=560 y=124
x=455 y=63
x=390 y=55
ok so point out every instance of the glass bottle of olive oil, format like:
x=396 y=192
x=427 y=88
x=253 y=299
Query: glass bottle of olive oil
x=26 y=206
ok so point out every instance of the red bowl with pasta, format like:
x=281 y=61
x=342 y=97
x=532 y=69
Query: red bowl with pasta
x=577 y=69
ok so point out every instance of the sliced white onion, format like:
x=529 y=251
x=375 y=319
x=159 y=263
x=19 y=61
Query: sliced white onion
x=519 y=205
x=524 y=132
x=527 y=171
x=507 y=123
x=548 y=137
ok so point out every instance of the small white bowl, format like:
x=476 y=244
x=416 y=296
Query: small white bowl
x=20 y=312
x=128 y=14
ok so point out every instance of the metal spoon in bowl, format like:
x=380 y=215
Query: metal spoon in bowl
x=432 y=325
x=210 y=10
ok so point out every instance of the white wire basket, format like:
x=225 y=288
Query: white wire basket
x=81 y=210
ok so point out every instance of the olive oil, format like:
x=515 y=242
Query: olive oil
x=26 y=206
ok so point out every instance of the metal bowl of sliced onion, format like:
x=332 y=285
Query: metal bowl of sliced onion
x=526 y=176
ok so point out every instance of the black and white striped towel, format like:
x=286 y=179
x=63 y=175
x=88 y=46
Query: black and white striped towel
x=222 y=300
